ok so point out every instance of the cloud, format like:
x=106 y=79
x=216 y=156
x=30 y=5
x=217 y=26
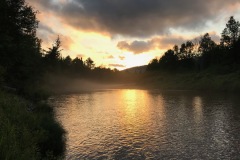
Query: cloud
x=121 y=57
x=45 y=28
x=167 y=42
x=80 y=56
x=116 y=65
x=110 y=57
x=136 y=18
x=135 y=46
x=160 y=42
x=49 y=36
x=215 y=37
x=66 y=41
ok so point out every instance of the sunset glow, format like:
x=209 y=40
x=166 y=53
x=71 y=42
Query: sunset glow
x=124 y=35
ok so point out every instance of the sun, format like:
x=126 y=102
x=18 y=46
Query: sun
x=132 y=60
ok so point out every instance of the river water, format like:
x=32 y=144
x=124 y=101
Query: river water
x=150 y=124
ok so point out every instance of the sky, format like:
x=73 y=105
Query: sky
x=126 y=33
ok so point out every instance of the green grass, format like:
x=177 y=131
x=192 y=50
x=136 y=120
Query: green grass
x=28 y=133
x=205 y=80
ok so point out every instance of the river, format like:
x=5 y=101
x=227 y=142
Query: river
x=150 y=124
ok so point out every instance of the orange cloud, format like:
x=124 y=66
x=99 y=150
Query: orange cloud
x=135 y=46
x=121 y=57
x=117 y=65
x=110 y=57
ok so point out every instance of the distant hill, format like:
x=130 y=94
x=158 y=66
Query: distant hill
x=137 y=69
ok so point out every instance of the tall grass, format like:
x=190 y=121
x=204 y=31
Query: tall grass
x=204 y=80
x=28 y=131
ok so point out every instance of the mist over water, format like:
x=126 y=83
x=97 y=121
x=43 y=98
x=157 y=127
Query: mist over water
x=62 y=85
x=142 y=124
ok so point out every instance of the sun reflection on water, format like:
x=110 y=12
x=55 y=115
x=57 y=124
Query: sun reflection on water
x=134 y=102
x=197 y=104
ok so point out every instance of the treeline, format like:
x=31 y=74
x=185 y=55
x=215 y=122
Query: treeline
x=77 y=67
x=23 y=62
x=205 y=54
x=21 y=58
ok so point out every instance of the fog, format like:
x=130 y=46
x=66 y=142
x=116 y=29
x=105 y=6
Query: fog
x=59 y=84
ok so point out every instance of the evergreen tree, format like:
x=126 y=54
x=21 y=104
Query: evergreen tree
x=53 y=54
x=19 y=46
x=206 y=44
x=231 y=33
x=89 y=63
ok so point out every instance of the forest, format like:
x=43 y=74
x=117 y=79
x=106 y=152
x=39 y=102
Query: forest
x=204 y=54
x=200 y=64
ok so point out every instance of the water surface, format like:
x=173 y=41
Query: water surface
x=142 y=124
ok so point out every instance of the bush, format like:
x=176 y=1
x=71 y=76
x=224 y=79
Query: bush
x=28 y=131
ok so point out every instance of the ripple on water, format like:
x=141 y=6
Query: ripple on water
x=138 y=124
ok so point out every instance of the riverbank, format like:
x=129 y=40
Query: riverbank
x=205 y=80
x=28 y=130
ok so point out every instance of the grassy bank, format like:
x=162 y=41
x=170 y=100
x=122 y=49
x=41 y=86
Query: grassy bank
x=28 y=131
x=205 y=80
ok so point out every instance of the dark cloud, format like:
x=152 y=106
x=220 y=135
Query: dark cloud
x=49 y=36
x=139 y=18
x=167 y=42
x=164 y=42
x=45 y=28
x=135 y=47
x=116 y=65
x=138 y=47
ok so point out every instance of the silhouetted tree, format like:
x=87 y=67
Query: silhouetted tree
x=66 y=63
x=183 y=50
x=89 y=63
x=78 y=65
x=189 y=48
x=168 y=60
x=206 y=44
x=176 y=49
x=231 y=33
x=153 y=65
x=53 y=54
x=19 y=46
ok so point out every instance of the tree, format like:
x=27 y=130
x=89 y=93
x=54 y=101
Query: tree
x=176 y=49
x=19 y=46
x=153 y=65
x=189 y=47
x=17 y=19
x=206 y=44
x=186 y=50
x=66 y=62
x=168 y=60
x=89 y=63
x=78 y=64
x=53 y=55
x=183 y=49
x=231 y=33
